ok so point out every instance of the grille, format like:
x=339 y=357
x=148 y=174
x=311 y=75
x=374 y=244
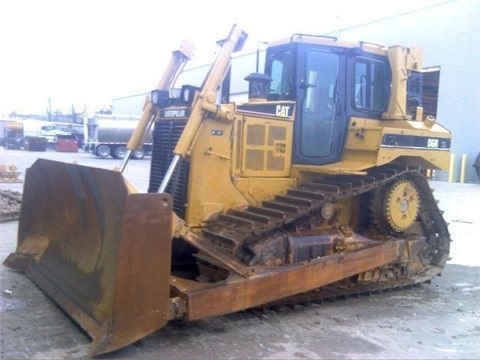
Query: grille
x=165 y=138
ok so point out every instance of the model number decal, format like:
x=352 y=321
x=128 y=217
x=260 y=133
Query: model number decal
x=415 y=142
x=432 y=143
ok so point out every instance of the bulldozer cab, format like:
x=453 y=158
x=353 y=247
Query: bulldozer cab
x=330 y=84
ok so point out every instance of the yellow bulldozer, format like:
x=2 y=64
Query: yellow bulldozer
x=313 y=187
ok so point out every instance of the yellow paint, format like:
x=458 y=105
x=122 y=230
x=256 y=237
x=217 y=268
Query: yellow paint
x=462 y=168
x=451 y=168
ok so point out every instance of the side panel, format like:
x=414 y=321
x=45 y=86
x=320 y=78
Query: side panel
x=266 y=147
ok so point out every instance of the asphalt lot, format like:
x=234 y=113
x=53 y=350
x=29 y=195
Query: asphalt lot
x=434 y=321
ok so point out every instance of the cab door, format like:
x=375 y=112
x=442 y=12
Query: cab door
x=321 y=123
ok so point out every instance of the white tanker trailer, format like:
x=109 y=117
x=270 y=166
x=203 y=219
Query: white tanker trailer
x=108 y=135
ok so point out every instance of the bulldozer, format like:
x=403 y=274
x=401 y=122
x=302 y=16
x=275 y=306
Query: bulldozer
x=315 y=186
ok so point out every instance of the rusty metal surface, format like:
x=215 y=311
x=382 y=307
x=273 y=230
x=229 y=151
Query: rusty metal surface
x=272 y=283
x=101 y=252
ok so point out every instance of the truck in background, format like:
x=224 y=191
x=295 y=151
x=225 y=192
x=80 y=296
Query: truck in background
x=108 y=135
x=16 y=133
x=11 y=133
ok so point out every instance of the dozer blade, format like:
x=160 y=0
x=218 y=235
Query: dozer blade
x=98 y=248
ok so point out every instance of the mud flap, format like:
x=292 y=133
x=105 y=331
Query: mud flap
x=98 y=249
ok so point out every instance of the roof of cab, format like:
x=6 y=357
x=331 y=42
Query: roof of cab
x=331 y=41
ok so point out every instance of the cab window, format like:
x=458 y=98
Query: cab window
x=281 y=74
x=369 y=85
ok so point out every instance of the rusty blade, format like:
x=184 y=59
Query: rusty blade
x=98 y=249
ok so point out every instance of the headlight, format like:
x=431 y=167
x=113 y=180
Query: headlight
x=160 y=98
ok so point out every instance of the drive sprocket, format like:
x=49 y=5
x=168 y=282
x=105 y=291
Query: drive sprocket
x=401 y=205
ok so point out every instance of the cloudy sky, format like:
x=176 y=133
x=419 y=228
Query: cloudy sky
x=86 y=52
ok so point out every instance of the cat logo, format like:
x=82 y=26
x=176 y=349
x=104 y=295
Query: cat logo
x=282 y=111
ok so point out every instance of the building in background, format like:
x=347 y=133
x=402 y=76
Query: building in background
x=450 y=37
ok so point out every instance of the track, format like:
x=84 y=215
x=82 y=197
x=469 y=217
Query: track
x=240 y=229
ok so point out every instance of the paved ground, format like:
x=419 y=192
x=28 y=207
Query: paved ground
x=435 y=321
